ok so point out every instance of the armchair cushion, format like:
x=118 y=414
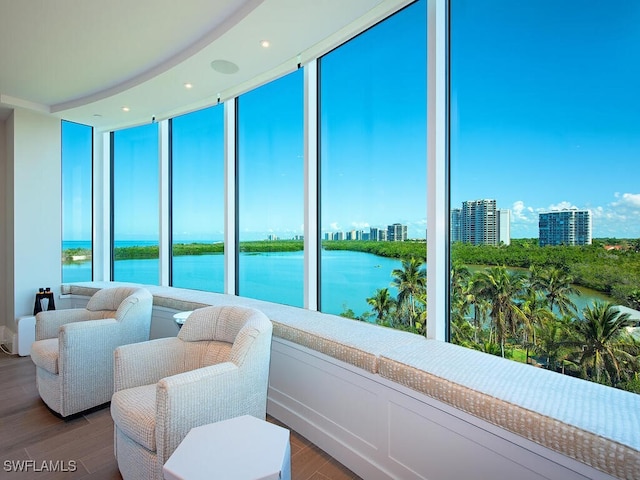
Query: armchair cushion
x=216 y=352
x=220 y=323
x=109 y=299
x=47 y=355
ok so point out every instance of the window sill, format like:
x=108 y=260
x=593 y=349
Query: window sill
x=591 y=423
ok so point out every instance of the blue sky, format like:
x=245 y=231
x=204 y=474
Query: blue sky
x=136 y=183
x=271 y=159
x=546 y=109
x=77 y=143
x=373 y=127
x=198 y=175
x=545 y=113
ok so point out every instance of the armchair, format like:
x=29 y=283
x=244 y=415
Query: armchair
x=73 y=351
x=215 y=369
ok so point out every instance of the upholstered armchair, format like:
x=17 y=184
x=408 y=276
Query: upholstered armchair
x=73 y=351
x=215 y=369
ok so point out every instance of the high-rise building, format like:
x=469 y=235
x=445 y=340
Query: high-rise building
x=504 y=226
x=396 y=232
x=373 y=234
x=565 y=227
x=455 y=225
x=480 y=222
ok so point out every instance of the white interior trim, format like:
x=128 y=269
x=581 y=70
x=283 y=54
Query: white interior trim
x=311 y=236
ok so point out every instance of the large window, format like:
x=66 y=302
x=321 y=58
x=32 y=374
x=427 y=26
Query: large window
x=545 y=201
x=135 y=204
x=270 y=191
x=77 y=159
x=373 y=173
x=197 y=159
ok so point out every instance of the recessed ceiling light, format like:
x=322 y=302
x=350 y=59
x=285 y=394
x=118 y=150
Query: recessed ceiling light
x=265 y=43
x=188 y=85
x=224 y=66
x=125 y=109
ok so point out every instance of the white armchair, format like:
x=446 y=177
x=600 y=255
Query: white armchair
x=73 y=351
x=215 y=369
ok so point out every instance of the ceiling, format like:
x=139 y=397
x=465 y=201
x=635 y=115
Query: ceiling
x=84 y=60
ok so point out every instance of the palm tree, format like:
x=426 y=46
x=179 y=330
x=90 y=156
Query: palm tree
x=410 y=280
x=553 y=340
x=501 y=288
x=473 y=297
x=558 y=286
x=381 y=303
x=601 y=337
x=535 y=308
x=460 y=305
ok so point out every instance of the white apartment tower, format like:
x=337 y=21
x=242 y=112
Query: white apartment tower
x=396 y=232
x=480 y=222
x=504 y=226
x=565 y=227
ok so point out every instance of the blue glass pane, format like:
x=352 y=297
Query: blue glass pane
x=545 y=142
x=270 y=191
x=136 y=204
x=77 y=158
x=197 y=173
x=373 y=164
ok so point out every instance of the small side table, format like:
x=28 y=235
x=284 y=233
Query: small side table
x=180 y=317
x=241 y=448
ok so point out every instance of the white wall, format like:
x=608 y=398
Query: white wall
x=3 y=223
x=31 y=237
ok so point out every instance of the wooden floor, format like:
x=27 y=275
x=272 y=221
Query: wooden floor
x=29 y=431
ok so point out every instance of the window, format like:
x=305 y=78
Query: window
x=197 y=179
x=545 y=208
x=373 y=173
x=270 y=191
x=77 y=159
x=135 y=204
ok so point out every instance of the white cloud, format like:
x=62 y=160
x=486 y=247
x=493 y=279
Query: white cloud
x=561 y=206
x=629 y=200
x=521 y=213
x=334 y=226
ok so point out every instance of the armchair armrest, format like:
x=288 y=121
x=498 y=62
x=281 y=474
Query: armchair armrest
x=180 y=400
x=81 y=340
x=147 y=362
x=49 y=322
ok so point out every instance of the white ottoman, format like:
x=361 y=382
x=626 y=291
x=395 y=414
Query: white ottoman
x=242 y=448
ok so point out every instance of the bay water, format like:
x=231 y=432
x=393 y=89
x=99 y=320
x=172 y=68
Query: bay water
x=347 y=278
